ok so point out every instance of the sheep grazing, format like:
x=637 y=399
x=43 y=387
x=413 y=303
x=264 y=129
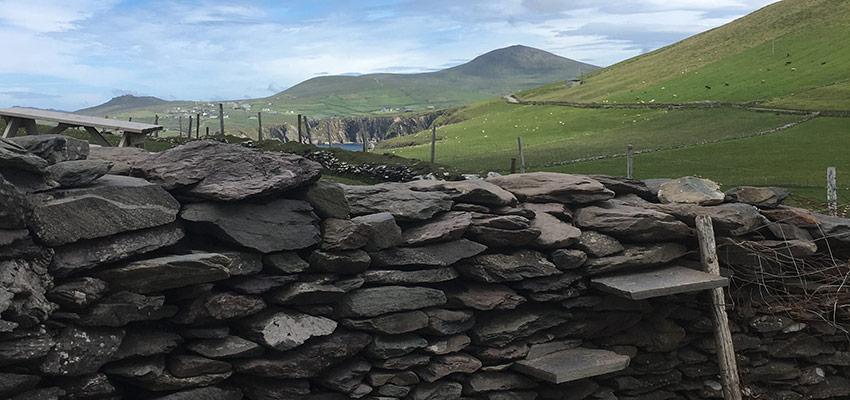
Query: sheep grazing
x=793 y=69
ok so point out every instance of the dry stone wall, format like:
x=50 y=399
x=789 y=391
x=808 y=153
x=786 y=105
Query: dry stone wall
x=220 y=272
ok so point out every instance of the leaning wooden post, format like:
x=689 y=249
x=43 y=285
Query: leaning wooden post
x=197 y=126
x=831 y=195
x=521 y=156
x=189 y=131
x=433 y=142
x=259 y=126
x=300 y=139
x=221 y=117
x=513 y=165
x=156 y=122
x=629 y=155
x=180 y=126
x=722 y=336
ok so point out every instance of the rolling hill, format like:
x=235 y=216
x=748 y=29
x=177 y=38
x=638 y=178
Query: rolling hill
x=783 y=56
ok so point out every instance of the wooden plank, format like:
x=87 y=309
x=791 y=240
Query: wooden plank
x=79 y=120
x=722 y=336
x=831 y=194
x=98 y=138
x=658 y=282
x=12 y=125
x=573 y=364
x=433 y=141
x=221 y=117
x=629 y=156
x=259 y=126
x=521 y=156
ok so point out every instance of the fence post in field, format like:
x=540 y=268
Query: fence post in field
x=300 y=139
x=197 y=126
x=189 y=131
x=221 y=117
x=330 y=142
x=831 y=195
x=513 y=165
x=156 y=119
x=208 y=132
x=259 y=126
x=180 y=126
x=433 y=141
x=363 y=137
x=130 y=119
x=629 y=155
x=521 y=156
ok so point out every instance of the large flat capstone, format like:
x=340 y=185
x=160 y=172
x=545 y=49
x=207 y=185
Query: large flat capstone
x=110 y=205
x=212 y=170
x=658 y=282
x=170 y=272
x=388 y=299
x=551 y=187
x=573 y=364
x=275 y=226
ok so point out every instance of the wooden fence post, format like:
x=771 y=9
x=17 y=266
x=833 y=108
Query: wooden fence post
x=722 y=336
x=130 y=119
x=207 y=134
x=521 y=156
x=831 y=195
x=221 y=117
x=156 y=119
x=363 y=137
x=330 y=142
x=259 y=126
x=197 y=126
x=180 y=126
x=629 y=155
x=433 y=142
x=300 y=140
x=189 y=131
x=513 y=165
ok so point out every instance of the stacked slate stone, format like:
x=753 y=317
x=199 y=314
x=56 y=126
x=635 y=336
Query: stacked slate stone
x=216 y=271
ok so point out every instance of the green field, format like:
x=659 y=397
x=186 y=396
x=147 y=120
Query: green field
x=487 y=140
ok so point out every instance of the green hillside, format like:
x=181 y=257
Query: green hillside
x=784 y=48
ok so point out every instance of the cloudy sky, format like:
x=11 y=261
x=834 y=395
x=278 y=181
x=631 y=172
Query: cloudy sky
x=71 y=54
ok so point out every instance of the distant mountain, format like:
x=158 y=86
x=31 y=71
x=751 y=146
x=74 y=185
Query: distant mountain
x=495 y=73
x=122 y=103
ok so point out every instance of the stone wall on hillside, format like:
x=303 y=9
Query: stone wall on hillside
x=222 y=272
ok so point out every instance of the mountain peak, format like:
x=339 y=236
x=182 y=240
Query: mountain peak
x=125 y=101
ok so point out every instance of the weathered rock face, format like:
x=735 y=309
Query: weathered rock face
x=631 y=223
x=77 y=173
x=404 y=204
x=546 y=187
x=328 y=199
x=762 y=197
x=282 y=330
x=517 y=266
x=276 y=226
x=443 y=227
x=210 y=170
x=81 y=351
x=16 y=207
x=53 y=148
x=23 y=285
x=69 y=215
x=691 y=190
x=171 y=272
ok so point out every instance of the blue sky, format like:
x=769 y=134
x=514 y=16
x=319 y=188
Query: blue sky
x=71 y=54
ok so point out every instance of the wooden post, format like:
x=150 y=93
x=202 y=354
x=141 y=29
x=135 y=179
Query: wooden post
x=722 y=336
x=330 y=141
x=300 y=139
x=433 y=141
x=189 y=131
x=129 y=119
x=180 y=126
x=208 y=132
x=363 y=137
x=629 y=155
x=513 y=165
x=259 y=126
x=221 y=117
x=156 y=122
x=521 y=156
x=831 y=195
x=197 y=126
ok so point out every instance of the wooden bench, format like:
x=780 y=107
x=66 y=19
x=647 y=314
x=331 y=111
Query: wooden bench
x=133 y=132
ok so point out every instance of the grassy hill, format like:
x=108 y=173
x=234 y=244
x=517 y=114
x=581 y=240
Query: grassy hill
x=498 y=72
x=773 y=53
x=793 y=46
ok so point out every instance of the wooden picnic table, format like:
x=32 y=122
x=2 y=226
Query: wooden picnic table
x=133 y=132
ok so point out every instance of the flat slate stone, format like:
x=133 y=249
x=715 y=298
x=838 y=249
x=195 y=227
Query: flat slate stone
x=434 y=255
x=658 y=282
x=552 y=187
x=276 y=226
x=404 y=204
x=573 y=364
x=170 y=272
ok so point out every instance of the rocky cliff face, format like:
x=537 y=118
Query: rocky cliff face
x=353 y=129
x=223 y=272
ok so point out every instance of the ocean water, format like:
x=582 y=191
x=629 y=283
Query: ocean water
x=345 y=146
